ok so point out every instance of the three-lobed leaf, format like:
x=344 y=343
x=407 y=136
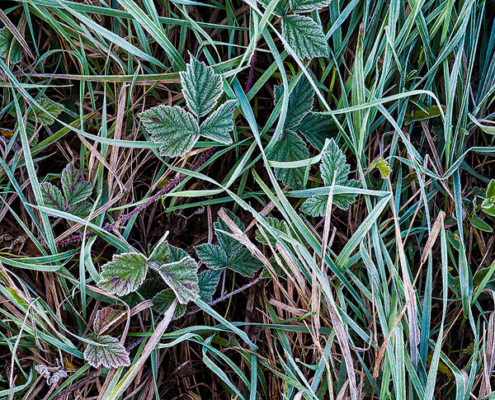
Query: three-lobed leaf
x=76 y=189
x=201 y=86
x=106 y=352
x=175 y=129
x=304 y=36
x=124 y=274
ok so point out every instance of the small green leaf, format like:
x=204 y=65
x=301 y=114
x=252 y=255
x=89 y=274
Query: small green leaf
x=201 y=87
x=244 y=263
x=213 y=256
x=47 y=117
x=480 y=224
x=75 y=187
x=218 y=125
x=52 y=196
x=382 y=166
x=315 y=206
x=316 y=127
x=107 y=352
x=274 y=223
x=163 y=300
x=228 y=244
x=175 y=129
x=490 y=190
x=82 y=210
x=300 y=101
x=105 y=318
x=208 y=282
x=180 y=276
x=281 y=8
x=10 y=47
x=301 y=6
x=290 y=148
x=488 y=207
x=427 y=113
x=124 y=274
x=481 y=274
x=304 y=36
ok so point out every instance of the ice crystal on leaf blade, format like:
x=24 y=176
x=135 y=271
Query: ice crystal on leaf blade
x=178 y=130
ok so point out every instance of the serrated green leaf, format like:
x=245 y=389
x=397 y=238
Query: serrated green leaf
x=290 y=148
x=244 y=263
x=181 y=276
x=124 y=274
x=201 y=87
x=316 y=127
x=333 y=163
x=208 y=282
x=316 y=206
x=74 y=186
x=382 y=166
x=175 y=129
x=52 y=196
x=308 y=5
x=300 y=101
x=10 y=47
x=163 y=300
x=274 y=223
x=107 y=353
x=304 y=36
x=281 y=8
x=213 y=256
x=105 y=318
x=218 y=125
x=228 y=244
x=52 y=108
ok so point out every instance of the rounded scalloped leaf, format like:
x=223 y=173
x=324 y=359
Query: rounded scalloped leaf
x=106 y=352
x=105 y=318
x=124 y=274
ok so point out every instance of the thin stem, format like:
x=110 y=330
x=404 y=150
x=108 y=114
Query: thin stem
x=178 y=179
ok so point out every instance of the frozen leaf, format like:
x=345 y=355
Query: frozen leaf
x=490 y=190
x=244 y=263
x=213 y=256
x=181 y=276
x=201 y=87
x=163 y=300
x=47 y=117
x=488 y=207
x=105 y=318
x=382 y=166
x=51 y=374
x=208 y=282
x=175 y=129
x=333 y=164
x=304 y=36
x=218 y=125
x=300 y=101
x=274 y=223
x=316 y=127
x=315 y=206
x=228 y=244
x=106 y=352
x=82 y=210
x=75 y=187
x=52 y=196
x=281 y=8
x=290 y=148
x=308 y=5
x=9 y=47
x=124 y=274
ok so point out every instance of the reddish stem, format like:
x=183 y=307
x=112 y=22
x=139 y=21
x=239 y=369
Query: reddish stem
x=178 y=179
